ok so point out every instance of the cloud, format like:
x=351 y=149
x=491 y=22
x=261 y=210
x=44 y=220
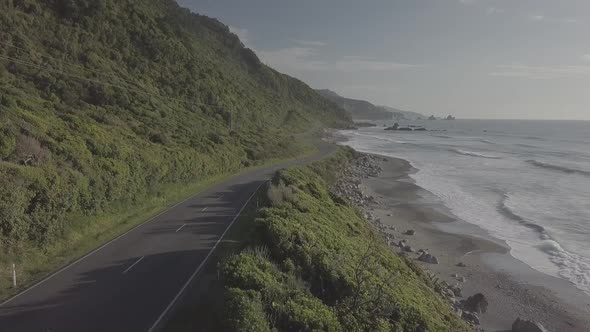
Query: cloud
x=302 y=59
x=243 y=34
x=534 y=17
x=356 y=63
x=313 y=43
x=543 y=18
x=289 y=58
x=586 y=57
x=540 y=72
x=494 y=10
x=466 y=2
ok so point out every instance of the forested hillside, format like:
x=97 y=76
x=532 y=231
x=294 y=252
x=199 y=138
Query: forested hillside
x=105 y=101
x=364 y=110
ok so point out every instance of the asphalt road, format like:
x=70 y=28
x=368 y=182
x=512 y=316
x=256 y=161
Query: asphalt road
x=135 y=281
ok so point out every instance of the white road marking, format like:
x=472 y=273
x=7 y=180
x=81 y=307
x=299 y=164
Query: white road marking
x=190 y=279
x=94 y=251
x=132 y=265
x=204 y=209
x=181 y=227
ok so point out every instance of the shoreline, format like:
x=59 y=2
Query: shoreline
x=513 y=289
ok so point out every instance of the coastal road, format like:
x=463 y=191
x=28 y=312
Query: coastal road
x=133 y=282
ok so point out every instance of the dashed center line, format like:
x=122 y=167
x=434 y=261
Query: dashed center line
x=204 y=209
x=132 y=265
x=181 y=227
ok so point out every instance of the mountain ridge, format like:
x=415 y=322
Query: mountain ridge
x=364 y=110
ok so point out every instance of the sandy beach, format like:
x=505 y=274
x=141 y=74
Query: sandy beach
x=512 y=288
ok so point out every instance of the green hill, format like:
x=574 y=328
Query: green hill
x=364 y=110
x=104 y=102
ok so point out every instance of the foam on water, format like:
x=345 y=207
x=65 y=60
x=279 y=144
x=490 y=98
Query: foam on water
x=540 y=209
x=558 y=168
x=475 y=154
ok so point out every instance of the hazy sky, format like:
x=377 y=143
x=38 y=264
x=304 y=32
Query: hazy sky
x=471 y=58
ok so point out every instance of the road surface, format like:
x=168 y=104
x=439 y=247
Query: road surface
x=134 y=282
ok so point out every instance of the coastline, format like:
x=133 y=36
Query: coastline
x=512 y=288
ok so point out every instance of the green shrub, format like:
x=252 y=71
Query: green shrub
x=324 y=268
x=244 y=311
x=107 y=102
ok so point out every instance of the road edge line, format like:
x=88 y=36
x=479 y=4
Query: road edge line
x=190 y=279
x=40 y=282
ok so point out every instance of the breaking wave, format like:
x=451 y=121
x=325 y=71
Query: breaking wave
x=558 y=168
x=508 y=213
x=474 y=154
x=572 y=267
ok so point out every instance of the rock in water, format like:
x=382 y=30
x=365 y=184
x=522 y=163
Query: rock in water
x=461 y=264
x=523 y=325
x=410 y=232
x=476 y=303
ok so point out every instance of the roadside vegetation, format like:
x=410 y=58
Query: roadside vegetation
x=112 y=109
x=310 y=262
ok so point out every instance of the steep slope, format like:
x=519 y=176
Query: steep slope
x=103 y=102
x=359 y=109
x=312 y=263
x=403 y=115
x=364 y=110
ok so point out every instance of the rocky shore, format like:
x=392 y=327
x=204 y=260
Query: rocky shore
x=487 y=299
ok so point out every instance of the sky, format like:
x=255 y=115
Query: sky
x=506 y=59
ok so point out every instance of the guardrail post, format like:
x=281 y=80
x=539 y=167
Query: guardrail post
x=14 y=275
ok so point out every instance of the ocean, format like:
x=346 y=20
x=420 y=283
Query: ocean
x=524 y=182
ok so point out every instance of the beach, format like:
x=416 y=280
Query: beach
x=512 y=288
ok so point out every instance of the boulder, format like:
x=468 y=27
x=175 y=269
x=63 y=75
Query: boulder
x=428 y=258
x=410 y=232
x=461 y=264
x=523 y=325
x=461 y=279
x=476 y=303
x=408 y=249
x=471 y=317
x=456 y=290
x=448 y=293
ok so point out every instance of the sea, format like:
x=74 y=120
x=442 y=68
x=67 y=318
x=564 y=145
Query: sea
x=526 y=183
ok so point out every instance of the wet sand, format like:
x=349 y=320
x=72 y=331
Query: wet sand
x=512 y=288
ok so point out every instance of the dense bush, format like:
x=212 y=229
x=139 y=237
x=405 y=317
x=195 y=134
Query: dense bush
x=102 y=102
x=322 y=267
